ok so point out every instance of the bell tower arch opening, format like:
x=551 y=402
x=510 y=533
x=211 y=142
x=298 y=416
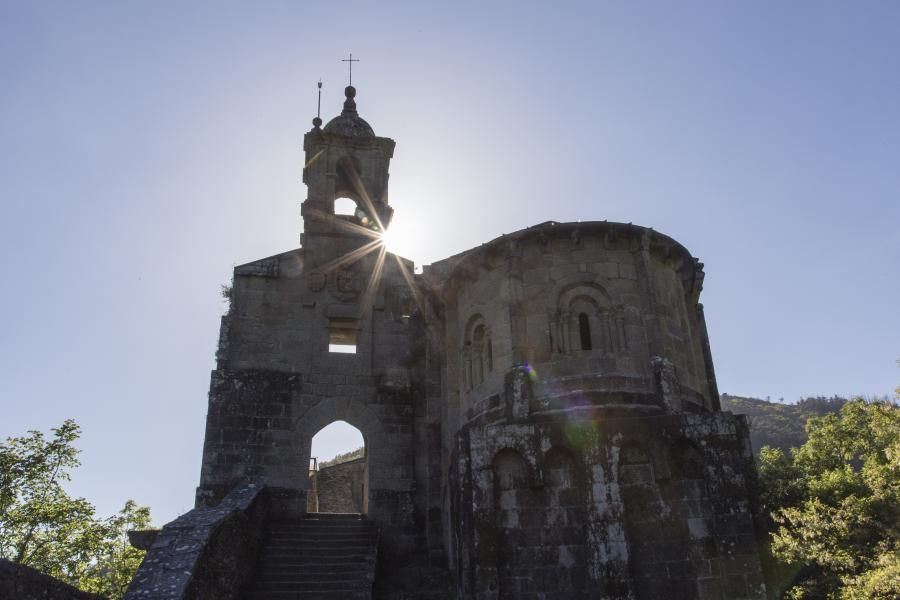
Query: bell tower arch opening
x=338 y=470
x=345 y=207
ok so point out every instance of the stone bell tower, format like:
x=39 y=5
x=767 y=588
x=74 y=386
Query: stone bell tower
x=346 y=161
x=319 y=334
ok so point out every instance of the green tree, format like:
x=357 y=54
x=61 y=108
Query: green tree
x=43 y=527
x=835 y=505
x=115 y=560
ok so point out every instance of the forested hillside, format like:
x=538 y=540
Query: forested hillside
x=345 y=457
x=778 y=424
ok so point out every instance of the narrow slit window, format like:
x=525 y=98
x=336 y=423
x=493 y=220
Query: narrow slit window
x=342 y=336
x=584 y=330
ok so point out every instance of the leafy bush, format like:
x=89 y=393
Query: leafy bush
x=42 y=527
x=834 y=505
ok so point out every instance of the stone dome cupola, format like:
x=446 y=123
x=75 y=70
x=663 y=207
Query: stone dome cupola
x=346 y=173
x=349 y=123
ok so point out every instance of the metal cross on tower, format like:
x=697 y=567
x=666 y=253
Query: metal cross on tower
x=350 y=60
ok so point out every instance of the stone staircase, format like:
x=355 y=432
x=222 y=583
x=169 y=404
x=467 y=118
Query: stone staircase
x=323 y=555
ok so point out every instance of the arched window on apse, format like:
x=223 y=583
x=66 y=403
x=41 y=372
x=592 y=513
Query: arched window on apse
x=478 y=352
x=580 y=322
x=478 y=347
x=338 y=470
x=584 y=328
x=584 y=331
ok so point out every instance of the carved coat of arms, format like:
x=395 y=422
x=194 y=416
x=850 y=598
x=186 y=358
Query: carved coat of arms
x=346 y=285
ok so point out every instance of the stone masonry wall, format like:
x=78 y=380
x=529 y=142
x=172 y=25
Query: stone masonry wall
x=205 y=554
x=18 y=582
x=341 y=487
x=277 y=384
x=605 y=505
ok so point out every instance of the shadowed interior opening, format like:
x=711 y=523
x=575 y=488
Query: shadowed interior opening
x=338 y=470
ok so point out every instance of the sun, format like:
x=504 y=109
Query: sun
x=399 y=238
x=390 y=238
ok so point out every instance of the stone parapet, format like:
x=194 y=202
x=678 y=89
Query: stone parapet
x=18 y=582
x=208 y=552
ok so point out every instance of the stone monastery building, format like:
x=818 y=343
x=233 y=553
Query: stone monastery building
x=540 y=416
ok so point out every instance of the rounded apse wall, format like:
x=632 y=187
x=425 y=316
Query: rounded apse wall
x=602 y=309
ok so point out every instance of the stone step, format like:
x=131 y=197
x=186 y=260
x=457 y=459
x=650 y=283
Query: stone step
x=346 y=594
x=335 y=563
x=305 y=537
x=305 y=552
x=323 y=530
x=301 y=539
x=323 y=547
x=327 y=528
x=325 y=523
x=324 y=542
x=297 y=576
x=322 y=556
x=268 y=556
x=326 y=572
x=297 y=551
x=290 y=585
x=317 y=533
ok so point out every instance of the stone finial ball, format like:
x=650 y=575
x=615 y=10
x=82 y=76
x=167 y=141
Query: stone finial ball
x=317 y=122
x=350 y=91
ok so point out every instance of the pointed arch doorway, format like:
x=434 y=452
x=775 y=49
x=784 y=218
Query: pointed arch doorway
x=379 y=453
x=338 y=470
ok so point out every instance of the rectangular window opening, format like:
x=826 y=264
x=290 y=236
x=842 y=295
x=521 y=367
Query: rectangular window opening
x=342 y=348
x=342 y=336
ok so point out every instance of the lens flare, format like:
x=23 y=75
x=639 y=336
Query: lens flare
x=389 y=238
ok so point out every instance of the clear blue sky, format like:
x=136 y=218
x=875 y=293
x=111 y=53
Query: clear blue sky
x=148 y=147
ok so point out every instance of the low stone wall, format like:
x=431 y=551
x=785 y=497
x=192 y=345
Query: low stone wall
x=18 y=582
x=341 y=488
x=207 y=553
